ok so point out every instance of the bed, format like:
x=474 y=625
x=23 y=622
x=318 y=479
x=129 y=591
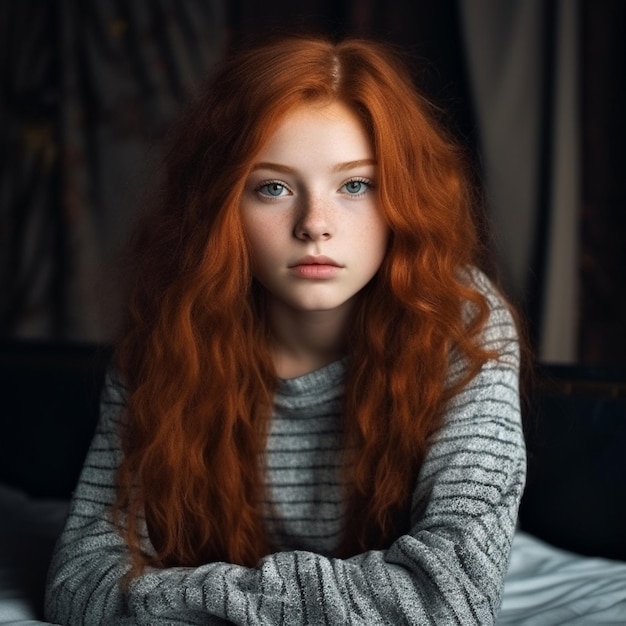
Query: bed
x=568 y=563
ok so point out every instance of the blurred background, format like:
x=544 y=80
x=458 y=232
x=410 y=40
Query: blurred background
x=534 y=88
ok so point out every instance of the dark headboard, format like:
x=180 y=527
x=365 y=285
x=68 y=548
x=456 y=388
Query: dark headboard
x=49 y=407
x=575 y=495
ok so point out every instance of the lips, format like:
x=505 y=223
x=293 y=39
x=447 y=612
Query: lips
x=315 y=267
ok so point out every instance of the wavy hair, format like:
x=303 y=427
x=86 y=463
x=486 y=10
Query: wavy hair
x=194 y=349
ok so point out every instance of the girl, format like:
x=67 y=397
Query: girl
x=314 y=415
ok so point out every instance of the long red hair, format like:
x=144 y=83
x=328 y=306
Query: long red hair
x=194 y=348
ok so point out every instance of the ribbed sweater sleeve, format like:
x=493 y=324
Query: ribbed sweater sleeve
x=448 y=569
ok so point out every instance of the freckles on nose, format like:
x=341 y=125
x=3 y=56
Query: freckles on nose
x=314 y=218
x=315 y=208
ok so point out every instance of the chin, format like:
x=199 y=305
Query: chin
x=322 y=306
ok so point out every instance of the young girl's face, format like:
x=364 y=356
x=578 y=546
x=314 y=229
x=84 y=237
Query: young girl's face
x=311 y=213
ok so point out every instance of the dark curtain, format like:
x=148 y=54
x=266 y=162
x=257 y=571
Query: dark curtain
x=88 y=88
x=32 y=236
x=603 y=226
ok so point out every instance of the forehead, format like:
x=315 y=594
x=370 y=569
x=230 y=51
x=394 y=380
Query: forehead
x=333 y=129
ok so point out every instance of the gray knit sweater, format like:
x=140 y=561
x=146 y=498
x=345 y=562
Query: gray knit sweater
x=448 y=569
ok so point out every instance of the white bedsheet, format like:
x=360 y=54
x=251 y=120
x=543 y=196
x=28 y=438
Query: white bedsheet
x=544 y=586
x=28 y=530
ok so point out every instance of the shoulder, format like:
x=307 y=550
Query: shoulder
x=488 y=404
x=114 y=388
x=477 y=280
x=497 y=336
x=500 y=331
x=112 y=401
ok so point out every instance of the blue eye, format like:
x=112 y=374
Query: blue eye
x=274 y=190
x=356 y=187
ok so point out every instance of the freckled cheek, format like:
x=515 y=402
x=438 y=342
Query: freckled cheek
x=376 y=233
x=264 y=242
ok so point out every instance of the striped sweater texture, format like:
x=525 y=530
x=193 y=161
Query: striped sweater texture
x=449 y=569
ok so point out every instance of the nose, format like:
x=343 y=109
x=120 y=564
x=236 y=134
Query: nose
x=314 y=220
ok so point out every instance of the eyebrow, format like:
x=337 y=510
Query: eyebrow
x=350 y=165
x=340 y=167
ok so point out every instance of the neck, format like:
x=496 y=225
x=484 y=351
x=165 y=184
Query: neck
x=306 y=340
